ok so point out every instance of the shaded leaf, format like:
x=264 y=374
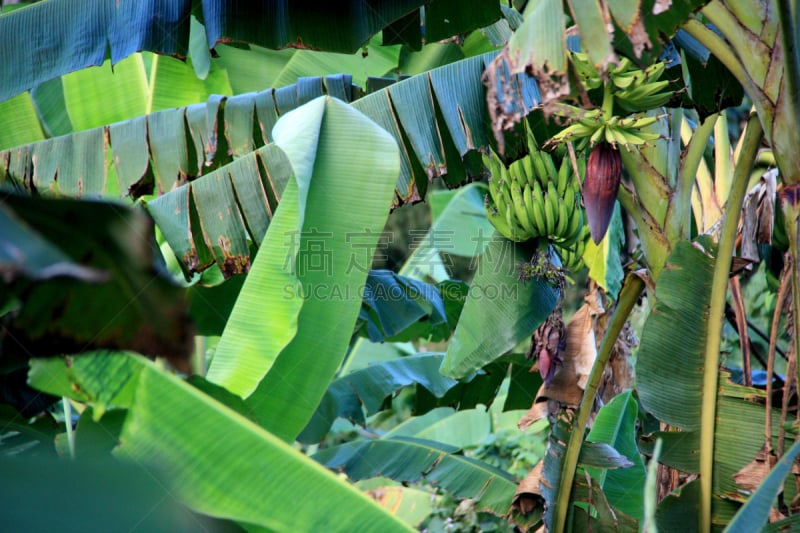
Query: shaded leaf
x=396 y=308
x=615 y=424
x=366 y=389
x=135 y=306
x=669 y=367
x=500 y=310
x=412 y=460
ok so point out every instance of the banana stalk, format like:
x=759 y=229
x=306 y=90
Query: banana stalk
x=679 y=223
x=628 y=297
x=719 y=289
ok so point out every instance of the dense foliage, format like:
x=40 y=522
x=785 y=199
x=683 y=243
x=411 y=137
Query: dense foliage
x=592 y=209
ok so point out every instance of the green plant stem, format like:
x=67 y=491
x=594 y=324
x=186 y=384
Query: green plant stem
x=788 y=16
x=749 y=50
x=790 y=215
x=727 y=57
x=628 y=297
x=722 y=160
x=716 y=315
x=679 y=217
x=608 y=101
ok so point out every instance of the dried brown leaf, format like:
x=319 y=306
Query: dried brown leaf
x=581 y=348
x=753 y=473
x=529 y=492
x=537 y=411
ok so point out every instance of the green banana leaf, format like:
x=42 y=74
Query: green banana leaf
x=19 y=121
x=500 y=311
x=166 y=29
x=452 y=211
x=413 y=460
x=669 y=362
x=431 y=145
x=615 y=424
x=92 y=283
x=682 y=295
x=255 y=68
x=396 y=308
x=369 y=387
x=102 y=379
x=463 y=429
x=321 y=140
x=222 y=464
x=144 y=82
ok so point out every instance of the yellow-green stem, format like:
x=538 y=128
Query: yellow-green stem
x=679 y=216
x=716 y=314
x=723 y=51
x=628 y=297
x=722 y=160
x=608 y=101
x=790 y=214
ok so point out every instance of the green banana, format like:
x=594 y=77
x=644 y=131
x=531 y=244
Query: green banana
x=563 y=220
x=530 y=173
x=551 y=208
x=521 y=212
x=496 y=218
x=575 y=225
x=537 y=209
x=552 y=171
x=539 y=166
x=563 y=176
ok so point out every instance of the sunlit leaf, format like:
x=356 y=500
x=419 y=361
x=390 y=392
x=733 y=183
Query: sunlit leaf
x=198 y=445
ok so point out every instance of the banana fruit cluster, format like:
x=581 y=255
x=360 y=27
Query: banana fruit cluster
x=634 y=89
x=533 y=199
x=629 y=90
x=614 y=130
x=572 y=257
x=638 y=90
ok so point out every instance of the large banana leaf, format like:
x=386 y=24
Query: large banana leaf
x=398 y=308
x=214 y=459
x=306 y=275
x=370 y=387
x=615 y=425
x=412 y=460
x=500 y=310
x=81 y=276
x=71 y=39
x=144 y=82
x=464 y=429
x=222 y=464
x=670 y=385
x=432 y=144
x=669 y=363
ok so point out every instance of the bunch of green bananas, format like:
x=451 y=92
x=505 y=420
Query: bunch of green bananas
x=638 y=90
x=634 y=89
x=629 y=90
x=572 y=257
x=615 y=130
x=532 y=198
